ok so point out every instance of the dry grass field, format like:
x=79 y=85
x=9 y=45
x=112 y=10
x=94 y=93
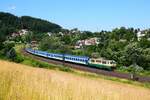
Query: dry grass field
x=20 y=82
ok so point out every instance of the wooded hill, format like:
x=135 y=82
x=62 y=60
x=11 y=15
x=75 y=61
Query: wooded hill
x=11 y=23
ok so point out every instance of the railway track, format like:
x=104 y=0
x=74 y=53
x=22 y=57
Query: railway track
x=88 y=69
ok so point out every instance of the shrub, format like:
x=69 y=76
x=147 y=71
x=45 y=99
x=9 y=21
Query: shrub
x=135 y=69
x=19 y=59
x=123 y=69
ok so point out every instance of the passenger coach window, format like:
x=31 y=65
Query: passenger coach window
x=111 y=63
x=104 y=62
x=99 y=61
x=92 y=60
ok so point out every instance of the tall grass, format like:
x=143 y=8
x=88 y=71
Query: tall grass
x=20 y=82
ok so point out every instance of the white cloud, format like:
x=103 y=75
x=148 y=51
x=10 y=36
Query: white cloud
x=12 y=7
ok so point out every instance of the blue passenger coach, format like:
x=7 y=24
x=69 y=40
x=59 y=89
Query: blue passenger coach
x=69 y=58
x=77 y=59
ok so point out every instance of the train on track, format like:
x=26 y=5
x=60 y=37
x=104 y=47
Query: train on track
x=84 y=60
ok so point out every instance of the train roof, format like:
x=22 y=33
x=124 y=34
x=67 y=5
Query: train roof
x=83 y=57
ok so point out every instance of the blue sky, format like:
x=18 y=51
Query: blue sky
x=92 y=15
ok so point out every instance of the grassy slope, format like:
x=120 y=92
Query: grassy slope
x=21 y=82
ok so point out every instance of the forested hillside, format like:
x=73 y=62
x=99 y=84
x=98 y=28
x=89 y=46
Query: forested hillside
x=35 y=24
x=11 y=23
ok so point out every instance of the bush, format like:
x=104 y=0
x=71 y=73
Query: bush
x=18 y=59
x=123 y=69
x=135 y=69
